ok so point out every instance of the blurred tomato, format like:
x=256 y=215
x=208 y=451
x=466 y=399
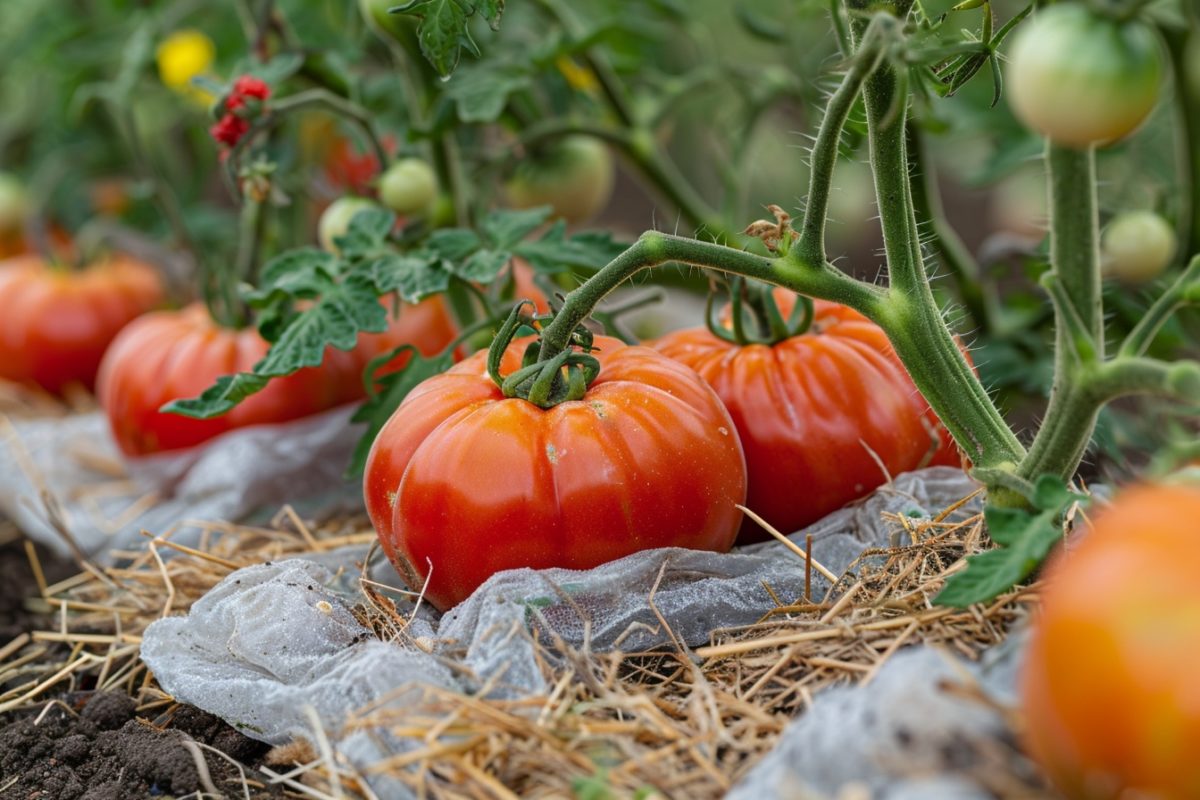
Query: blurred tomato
x=55 y=323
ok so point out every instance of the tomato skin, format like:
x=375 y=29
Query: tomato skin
x=475 y=483
x=802 y=406
x=335 y=220
x=575 y=177
x=169 y=355
x=55 y=324
x=409 y=187
x=1080 y=78
x=1108 y=687
x=1137 y=247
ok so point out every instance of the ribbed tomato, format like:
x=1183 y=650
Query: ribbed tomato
x=462 y=482
x=55 y=324
x=817 y=414
x=1108 y=687
x=170 y=355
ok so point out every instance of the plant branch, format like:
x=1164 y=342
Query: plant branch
x=1128 y=375
x=1185 y=291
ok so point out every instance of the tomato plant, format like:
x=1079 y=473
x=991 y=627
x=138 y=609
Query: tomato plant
x=465 y=480
x=1108 y=686
x=825 y=414
x=55 y=322
x=574 y=177
x=335 y=220
x=169 y=355
x=1137 y=247
x=1081 y=78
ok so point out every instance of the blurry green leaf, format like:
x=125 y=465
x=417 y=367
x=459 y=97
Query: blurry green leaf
x=760 y=25
x=506 y=228
x=554 y=252
x=483 y=266
x=454 y=244
x=221 y=397
x=335 y=320
x=367 y=233
x=444 y=31
x=481 y=92
x=414 y=275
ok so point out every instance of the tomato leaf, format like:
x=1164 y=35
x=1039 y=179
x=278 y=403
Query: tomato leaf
x=483 y=266
x=506 y=229
x=481 y=91
x=303 y=273
x=554 y=252
x=366 y=234
x=385 y=394
x=454 y=244
x=221 y=397
x=1025 y=538
x=444 y=31
x=341 y=313
x=414 y=275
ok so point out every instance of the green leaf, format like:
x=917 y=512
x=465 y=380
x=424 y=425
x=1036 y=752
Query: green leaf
x=305 y=272
x=444 y=31
x=554 y=252
x=385 y=394
x=760 y=25
x=481 y=92
x=505 y=229
x=367 y=233
x=414 y=275
x=454 y=244
x=483 y=266
x=335 y=320
x=491 y=11
x=221 y=397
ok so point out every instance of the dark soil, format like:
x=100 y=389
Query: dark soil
x=104 y=751
x=17 y=583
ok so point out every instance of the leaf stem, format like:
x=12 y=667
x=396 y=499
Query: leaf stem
x=1170 y=301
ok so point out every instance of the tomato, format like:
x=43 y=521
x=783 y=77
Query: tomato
x=169 y=355
x=1108 y=686
x=335 y=220
x=409 y=187
x=466 y=482
x=1081 y=78
x=1137 y=247
x=575 y=176
x=14 y=204
x=56 y=323
x=814 y=412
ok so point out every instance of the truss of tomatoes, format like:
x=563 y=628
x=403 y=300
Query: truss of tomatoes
x=167 y=355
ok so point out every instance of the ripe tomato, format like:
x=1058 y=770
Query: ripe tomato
x=56 y=323
x=812 y=409
x=409 y=187
x=174 y=354
x=1109 y=688
x=466 y=482
x=1137 y=247
x=575 y=176
x=1081 y=78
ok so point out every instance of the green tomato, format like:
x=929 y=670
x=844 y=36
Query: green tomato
x=409 y=187
x=575 y=176
x=335 y=220
x=14 y=203
x=397 y=26
x=1080 y=78
x=1137 y=247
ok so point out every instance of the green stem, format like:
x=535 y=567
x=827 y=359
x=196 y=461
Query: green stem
x=1127 y=375
x=1170 y=301
x=913 y=321
x=1187 y=103
x=951 y=250
x=825 y=153
x=1071 y=413
x=251 y=222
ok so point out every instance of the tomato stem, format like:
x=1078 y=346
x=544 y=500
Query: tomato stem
x=1170 y=301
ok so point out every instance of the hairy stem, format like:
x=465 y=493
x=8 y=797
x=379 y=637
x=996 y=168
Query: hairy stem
x=1170 y=301
x=1187 y=103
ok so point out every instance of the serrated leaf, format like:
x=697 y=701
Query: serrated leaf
x=483 y=266
x=506 y=228
x=1005 y=525
x=554 y=252
x=454 y=244
x=221 y=397
x=1051 y=493
x=387 y=393
x=491 y=11
x=367 y=233
x=481 y=92
x=414 y=275
x=443 y=33
x=335 y=320
x=305 y=272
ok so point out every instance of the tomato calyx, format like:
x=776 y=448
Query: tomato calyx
x=756 y=301
x=545 y=383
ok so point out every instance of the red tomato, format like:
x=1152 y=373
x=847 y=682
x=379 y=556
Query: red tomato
x=1109 y=689
x=56 y=323
x=175 y=354
x=812 y=409
x=468 y=483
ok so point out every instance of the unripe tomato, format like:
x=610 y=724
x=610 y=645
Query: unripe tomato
x=814 y=412
x=575 y=176
x=409 y=187
x=335 y=220
x=1137 y=247
x=1081 y=78
x=170 y=355
x=463 y=482
x=1109 y=686
x=14 y=204
x=55 y=324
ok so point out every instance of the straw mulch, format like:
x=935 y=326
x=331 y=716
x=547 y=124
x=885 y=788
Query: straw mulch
x=679 y=723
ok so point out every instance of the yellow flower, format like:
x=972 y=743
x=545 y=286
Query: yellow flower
x=184 y=55
x=579 y=77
